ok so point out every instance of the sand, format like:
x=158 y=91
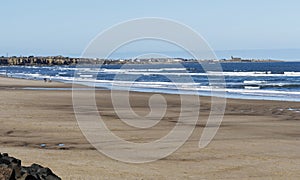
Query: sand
x=257 y=139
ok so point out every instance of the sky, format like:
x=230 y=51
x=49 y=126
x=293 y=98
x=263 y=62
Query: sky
x=66 y=27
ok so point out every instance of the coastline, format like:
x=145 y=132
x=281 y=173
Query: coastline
x=68 y=85
x=257 y=81
x=257 y=138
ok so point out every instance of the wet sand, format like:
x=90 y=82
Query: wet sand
x=257 y=139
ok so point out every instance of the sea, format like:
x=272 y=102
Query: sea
x=241 y=80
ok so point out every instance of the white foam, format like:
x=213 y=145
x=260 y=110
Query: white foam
x=254 y=82
x=292 y=73
x=86 y=76
x=252 y=87
x=159 y=72
x=188 y=86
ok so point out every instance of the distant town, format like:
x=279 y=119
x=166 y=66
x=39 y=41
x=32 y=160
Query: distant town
x=62 y=60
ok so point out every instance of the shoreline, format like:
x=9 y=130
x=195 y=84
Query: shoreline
x=257 y=138
x=37 y=85
x=60 y=85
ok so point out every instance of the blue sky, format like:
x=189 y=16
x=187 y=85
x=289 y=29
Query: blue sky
x=66 y=27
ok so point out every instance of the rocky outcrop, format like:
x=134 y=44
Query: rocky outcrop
x=11 y=169
x=31 y=60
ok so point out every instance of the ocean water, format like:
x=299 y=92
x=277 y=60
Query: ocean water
x=269 y=80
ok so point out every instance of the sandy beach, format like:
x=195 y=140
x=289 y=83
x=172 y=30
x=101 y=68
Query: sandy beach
x=257 y=139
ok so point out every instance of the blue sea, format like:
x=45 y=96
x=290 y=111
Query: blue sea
x=261 y=80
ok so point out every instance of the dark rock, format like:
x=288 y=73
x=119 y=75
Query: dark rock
x=11 y=169
x=29 y=177
x=4 y=162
